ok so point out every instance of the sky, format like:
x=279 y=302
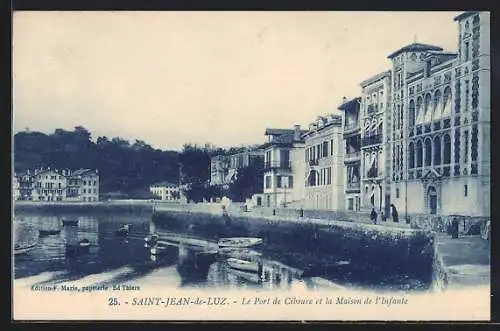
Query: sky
x=171 y=78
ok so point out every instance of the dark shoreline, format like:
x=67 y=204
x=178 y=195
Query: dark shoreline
x=84 y=207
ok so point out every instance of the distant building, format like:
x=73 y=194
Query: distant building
x=224 y=168
x=58 y=185
x=324 y=156
x=50 y=185
x=83 y=185
x=16 y=193
x=284 y=168
x=166 y=191
x=352 y=153
x=219 y=169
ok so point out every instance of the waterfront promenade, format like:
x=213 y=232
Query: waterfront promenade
x=466 y=260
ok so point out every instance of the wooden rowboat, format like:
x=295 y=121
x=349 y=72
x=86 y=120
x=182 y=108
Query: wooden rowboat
x=23 y=249
x=243 y=265
x=239 y=242
x=70 y=222
x=49 y=232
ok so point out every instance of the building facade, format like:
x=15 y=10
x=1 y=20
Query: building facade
x=83 y=185
x=16 y=191
x=58 y=185
x=324 y=156
x=166 y=191
x=440 y=142
x=284 y=168
x=224 y=168
x=352 y=153
x=375 y=102
x=50 y=185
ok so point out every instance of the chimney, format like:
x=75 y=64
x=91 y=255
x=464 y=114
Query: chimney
x=344 y=100
x=296 y=133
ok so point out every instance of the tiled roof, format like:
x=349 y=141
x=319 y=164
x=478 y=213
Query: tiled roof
x=80 y=172
x=415 y=47
x=464 y=15
x=348 y=102
x=375 y=78
x=275 y=132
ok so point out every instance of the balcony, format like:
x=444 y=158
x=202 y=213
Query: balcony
x=352 y=157
x=314 y=162
x=270 y=165
x=351 y=128
x=372 y=140
x=353 y=187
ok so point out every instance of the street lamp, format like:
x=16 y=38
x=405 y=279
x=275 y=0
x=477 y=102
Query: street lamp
x=379 y=183
x=284 y=195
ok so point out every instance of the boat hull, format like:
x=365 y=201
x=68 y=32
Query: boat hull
x=239 y=242
x=243 y=265
x=24 y=250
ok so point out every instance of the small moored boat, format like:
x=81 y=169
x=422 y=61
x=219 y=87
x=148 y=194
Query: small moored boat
x=239 y=242
x=84 y=243
x=123 y=231
x=70 y=222
x=243 y=265
x=49 y=232
x=23 y=249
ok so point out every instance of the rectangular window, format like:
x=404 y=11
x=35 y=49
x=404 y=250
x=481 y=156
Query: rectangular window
x=318 y=151
x=290 y=181
x=466 y=146
x=350 y=204
x=284 y=157
x=466 y=101
x=278 y=181
x=466 y=51
x=465 y=190
x=428 y=68
x=325 y=148
x=331 y=147
x=268 y=181
x=397 y=192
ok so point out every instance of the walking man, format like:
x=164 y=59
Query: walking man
x=373 y=216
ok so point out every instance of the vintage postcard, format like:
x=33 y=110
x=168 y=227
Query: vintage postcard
x=293 y=166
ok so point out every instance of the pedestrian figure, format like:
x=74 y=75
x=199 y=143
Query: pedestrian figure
x=395 y=218
x=383 y=217
x=373 y=216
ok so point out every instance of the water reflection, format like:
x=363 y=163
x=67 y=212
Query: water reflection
x=111 y=259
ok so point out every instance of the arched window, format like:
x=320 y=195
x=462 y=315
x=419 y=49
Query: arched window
x=447 y=102
x=419 y=154
x=437 y=151
x=428 y=152
x=411 y=156
x=427 y=108
x=411 y=113
x=436 y=112
x=419 y=116
x=447 y=149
